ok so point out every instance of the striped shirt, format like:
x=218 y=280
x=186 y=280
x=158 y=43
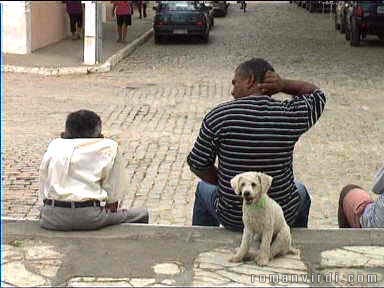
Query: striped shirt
x=255 y=133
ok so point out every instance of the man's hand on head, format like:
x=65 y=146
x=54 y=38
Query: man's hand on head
x=272 y=83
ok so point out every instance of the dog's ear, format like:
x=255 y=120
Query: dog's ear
x=235 y=184
x=265 y=182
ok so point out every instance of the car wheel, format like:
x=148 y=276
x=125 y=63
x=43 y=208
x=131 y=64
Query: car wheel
x=205 y=38
x=342 y=25
x=213 y=23
x=158 y=39
x=311 y=7
x=347 y=33
x=355 y=34
x=337 y=25
x=381 y=36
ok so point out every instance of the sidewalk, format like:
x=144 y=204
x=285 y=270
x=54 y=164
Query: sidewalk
x=162 y=256
x=69 y=53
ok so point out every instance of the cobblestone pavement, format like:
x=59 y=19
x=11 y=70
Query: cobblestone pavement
x=154 y=101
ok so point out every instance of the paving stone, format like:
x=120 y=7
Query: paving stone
x=16 y=274
x=209 y=266
x=39 y=251
x=47 y=268
x=168 y=268
x=217 y=258
x=168 y=282
x=98 y=282
x=11 y=253
x=140 y=282
x=242 y=279
x=352 y=257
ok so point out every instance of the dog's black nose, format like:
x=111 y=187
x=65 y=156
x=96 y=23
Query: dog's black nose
x=246 y=193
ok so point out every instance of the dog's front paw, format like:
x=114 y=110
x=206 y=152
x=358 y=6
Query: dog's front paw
x=262 y=260
x=235 y=259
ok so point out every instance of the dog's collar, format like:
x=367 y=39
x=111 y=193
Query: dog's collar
x=260 y=204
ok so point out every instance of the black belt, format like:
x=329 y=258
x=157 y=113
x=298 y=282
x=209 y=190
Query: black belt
x=69 y=204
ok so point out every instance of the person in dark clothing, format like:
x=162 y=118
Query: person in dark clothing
x=75 y=12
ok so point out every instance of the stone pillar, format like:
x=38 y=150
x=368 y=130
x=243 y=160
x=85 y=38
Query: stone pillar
x=17 y=27
x=93 y=32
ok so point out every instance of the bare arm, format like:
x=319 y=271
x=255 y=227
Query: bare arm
x=273 y=84
x=296 y=87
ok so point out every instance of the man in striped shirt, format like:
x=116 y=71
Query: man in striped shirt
x=254 y=132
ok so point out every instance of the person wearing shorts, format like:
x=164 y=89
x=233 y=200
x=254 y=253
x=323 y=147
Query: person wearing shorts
x=75 y=13
x=123 y=12
x=358 y=210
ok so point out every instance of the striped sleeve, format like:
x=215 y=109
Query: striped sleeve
x=313 y=104
x=203 y=154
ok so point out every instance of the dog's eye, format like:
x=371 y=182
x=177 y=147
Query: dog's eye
x=253 y=185
x=242 y=184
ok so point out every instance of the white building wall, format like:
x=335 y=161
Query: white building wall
x=17 y=27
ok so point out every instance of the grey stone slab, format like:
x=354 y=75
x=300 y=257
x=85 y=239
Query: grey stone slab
x=353 y=257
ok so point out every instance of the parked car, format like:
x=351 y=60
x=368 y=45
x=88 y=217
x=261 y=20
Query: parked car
x=364 y=18
x=341 y=15
x=180 y=18
x=220 y=8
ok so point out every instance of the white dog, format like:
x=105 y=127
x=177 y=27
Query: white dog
x=261 y=215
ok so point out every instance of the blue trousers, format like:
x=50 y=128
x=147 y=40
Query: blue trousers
x=204 y=210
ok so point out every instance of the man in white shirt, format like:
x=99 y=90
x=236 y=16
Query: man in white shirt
x=82 y=179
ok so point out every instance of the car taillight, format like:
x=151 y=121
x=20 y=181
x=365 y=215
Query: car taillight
x=359 y=11
x=160 y=23
x=200 y=23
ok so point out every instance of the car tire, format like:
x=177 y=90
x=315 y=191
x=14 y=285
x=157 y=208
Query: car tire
x=337 y=25
x=311 y=7
x=205 y=38
x=342 y=26
x=213 y=23
x=158 y=39
x=355 y=34
x=381 y=36
x=347 y=34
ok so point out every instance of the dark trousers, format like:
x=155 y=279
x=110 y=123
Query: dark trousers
x=75 y=20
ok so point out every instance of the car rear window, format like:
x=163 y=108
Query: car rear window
x=179 y=5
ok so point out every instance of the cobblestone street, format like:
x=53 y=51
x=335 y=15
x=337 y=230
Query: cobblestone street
x=153 y=103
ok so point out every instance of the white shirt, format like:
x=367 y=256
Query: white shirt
x=82 y=169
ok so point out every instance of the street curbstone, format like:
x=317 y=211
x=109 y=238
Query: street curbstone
x=100 y=68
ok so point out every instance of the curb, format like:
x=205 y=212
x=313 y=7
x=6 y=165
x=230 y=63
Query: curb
x=105 y=67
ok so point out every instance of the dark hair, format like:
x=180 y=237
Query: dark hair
x=256 y=68
x=82 y=124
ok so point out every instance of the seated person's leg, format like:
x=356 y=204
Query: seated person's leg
x=373 y=216
x=302 y=217
x=204 y=210
x=131 y=215
x=352 y=203
x=53 y=218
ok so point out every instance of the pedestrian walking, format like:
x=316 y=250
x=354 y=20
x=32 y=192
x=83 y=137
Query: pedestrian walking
x=75 y=12
x=142 y=8
x=82 y=179
x=123 y=11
